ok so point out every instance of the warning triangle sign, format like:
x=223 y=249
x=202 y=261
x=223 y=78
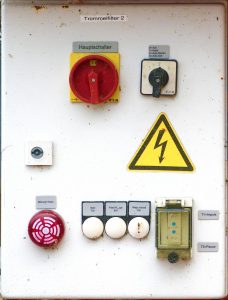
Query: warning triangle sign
x=161 y=150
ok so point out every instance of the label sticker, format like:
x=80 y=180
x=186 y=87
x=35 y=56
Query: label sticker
x=103 y=18
x=140 y=208
x=161 y=150
x=91 y=209
x=96 y=47
x=46 y=202
x=208 y=247
x=159 y=51
x=208 y=214
x=116 y=209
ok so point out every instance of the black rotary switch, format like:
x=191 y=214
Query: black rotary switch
x=158 y=78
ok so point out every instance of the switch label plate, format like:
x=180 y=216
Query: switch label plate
x=159 y=51
x=95 y=47
x=208 y=214
x=207 y=247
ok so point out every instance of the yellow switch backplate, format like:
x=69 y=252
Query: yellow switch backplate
x=113 y=57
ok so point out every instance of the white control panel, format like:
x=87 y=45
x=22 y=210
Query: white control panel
x=113 y=152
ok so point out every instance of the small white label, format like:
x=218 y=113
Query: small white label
x=208 y=214
x=95 y=47
x=140 y=208
x=46 y=202
x=208 y=247
x=92 y=209
x=159 y=51
x=116 y=208
x=103 y=18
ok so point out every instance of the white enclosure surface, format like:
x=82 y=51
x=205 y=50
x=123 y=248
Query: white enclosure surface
x=92 y=146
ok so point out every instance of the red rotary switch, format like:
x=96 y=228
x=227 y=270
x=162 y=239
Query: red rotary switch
x=46 y=228
x=94 y=79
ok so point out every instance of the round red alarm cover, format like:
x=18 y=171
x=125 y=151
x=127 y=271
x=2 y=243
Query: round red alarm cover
x=93 y=79
x=46 y=228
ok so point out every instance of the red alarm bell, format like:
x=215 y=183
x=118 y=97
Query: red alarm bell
x=93 y=79
x=46 y=228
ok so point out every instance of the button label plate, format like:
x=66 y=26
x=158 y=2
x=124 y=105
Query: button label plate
x=140 y=208
x=116 y=208
x=91 y=209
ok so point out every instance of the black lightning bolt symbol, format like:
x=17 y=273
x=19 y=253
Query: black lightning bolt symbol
x=163 y=144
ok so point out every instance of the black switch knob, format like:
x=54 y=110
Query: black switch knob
x=158 y=78
x=173 y=257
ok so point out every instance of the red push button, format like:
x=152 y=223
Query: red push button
x=46 y=228
x=94 y=79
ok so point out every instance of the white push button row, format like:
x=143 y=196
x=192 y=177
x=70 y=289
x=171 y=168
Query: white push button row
x=115 y=217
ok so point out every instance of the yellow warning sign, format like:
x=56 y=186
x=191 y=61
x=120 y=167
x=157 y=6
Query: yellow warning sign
x=161 y=150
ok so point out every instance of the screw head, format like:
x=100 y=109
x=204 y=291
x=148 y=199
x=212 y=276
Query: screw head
x=173 y=257
x=37 y=152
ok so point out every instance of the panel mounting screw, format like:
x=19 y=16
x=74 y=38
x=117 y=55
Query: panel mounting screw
x=173 y=257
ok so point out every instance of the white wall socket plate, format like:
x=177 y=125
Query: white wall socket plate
x=38 y=153
x=170 y=66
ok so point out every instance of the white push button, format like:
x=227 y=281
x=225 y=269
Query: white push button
x=92 y=228
x=138 y=227
x=115 y=228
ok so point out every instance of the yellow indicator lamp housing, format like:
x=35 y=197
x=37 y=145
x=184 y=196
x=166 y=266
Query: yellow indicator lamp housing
x=174 y=229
